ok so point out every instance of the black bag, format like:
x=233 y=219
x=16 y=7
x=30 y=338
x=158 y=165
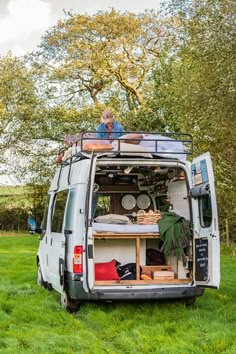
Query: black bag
x=154 y=257
x=127 y=268
x=128 y=276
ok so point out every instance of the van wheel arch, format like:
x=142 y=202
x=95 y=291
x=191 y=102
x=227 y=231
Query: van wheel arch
x=189 y=301
x=68 y=304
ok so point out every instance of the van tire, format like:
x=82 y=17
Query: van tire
x=40 y=280
x=67 y=303
x=189 y=301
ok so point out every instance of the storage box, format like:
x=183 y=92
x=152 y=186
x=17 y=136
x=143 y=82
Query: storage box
x=153 y=268
x=163 y=275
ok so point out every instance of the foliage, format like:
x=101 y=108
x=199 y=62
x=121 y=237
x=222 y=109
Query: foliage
x=32 y=321
x=14 y=218
x=102 y=58
x=175 y=72
x=19 y=202
x=18 y=102
x=195 y=85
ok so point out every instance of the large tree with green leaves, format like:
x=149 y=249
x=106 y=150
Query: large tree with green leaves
x=196 y=84
x=18 y=102
x=106 y=58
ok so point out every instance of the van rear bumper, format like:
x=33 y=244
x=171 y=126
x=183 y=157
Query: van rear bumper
x=76 y=291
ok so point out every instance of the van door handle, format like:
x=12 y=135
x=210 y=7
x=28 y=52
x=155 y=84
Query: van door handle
x=63 y=243
x=67 y=232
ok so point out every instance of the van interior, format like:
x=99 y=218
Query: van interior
x=139 y=192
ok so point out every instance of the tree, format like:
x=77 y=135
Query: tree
x=18 y=102
x=97 y=58
x=195 y=84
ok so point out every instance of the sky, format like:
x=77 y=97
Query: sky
x=23 y=22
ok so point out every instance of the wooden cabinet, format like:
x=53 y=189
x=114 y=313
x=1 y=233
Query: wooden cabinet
x=137 y=237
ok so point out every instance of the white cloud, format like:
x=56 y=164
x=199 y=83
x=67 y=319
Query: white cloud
x=24 y=17
x=26 y=21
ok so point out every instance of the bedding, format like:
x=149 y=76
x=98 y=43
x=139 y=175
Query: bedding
x=131 y=138
x=132 y=150
x=118 y=228
x=112 y=219
x=145 y=147
x=166 y=148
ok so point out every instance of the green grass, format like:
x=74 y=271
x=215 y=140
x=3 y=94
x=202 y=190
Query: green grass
x=32 y=321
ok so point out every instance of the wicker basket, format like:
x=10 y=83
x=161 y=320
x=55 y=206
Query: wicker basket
x=151 y=217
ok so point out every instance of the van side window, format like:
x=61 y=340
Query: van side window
x=205 y=210
x=58 y=211
x=69 y=210
x=43 y=225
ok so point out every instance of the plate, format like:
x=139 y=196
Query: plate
x=128 y=201
x=143 y=201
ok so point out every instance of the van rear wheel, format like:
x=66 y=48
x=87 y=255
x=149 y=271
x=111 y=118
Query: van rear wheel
x=189 y=301
x=68 y=304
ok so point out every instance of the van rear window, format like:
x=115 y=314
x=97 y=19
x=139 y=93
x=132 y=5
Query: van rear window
x=205 y=211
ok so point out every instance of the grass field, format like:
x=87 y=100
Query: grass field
x=32 y=321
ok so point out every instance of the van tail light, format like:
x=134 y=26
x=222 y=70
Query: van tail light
x=77 y=259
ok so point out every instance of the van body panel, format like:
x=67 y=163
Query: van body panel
x=206 y=231
x=76 y=291
x=57 y=240
x=66 y=176
x=77 y=178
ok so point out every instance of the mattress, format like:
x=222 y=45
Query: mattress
x=167 y=147
x=120 y=228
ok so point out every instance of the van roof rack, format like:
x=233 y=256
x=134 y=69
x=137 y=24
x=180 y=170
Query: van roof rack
x=151 y=144
x=161 y=144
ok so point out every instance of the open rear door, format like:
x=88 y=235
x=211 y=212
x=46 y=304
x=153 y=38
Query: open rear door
x=206 y=243
x=88 y=283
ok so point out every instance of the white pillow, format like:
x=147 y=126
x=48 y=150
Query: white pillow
x=136 y=150
x=112 y=219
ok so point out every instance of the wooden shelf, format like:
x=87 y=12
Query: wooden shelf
x=136 y=237
x=141 y=282
x=110 y=235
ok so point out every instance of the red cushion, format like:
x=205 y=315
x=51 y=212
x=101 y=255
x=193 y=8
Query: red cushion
x=97 y=146
x=106 y=271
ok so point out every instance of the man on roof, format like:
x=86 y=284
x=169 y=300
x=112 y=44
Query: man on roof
x=109 y=128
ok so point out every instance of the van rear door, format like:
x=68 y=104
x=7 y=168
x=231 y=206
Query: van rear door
x=62 y=221
x=206 y=250
x=88 y=268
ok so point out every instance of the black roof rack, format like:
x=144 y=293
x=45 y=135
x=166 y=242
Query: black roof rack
x=177 y=143
x=162 y=144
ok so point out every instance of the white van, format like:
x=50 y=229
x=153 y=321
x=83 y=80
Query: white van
x=100 y=211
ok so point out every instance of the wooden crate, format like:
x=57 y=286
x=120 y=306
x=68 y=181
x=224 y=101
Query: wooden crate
x=163 y=275
x=149 y=269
